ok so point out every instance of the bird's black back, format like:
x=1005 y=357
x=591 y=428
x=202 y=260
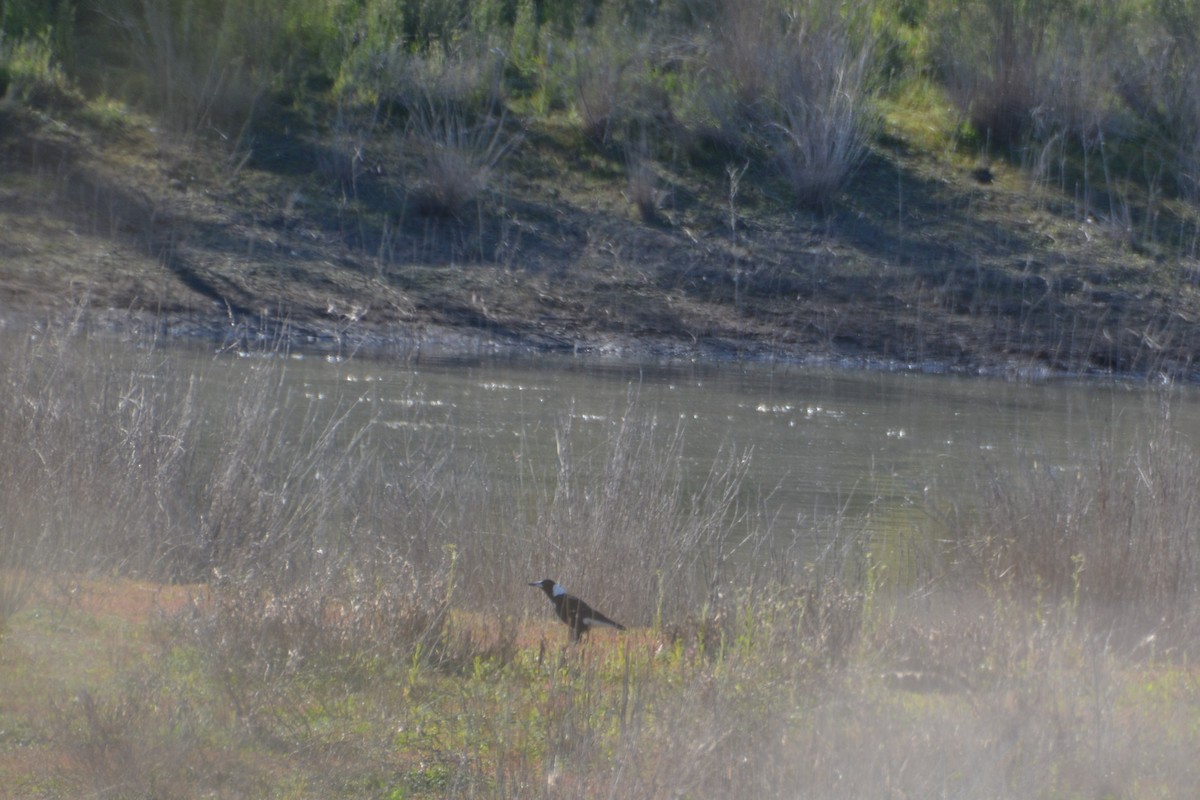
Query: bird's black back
x=574 y=612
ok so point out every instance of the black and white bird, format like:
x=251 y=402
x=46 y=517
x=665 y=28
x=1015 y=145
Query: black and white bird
x=578 y=615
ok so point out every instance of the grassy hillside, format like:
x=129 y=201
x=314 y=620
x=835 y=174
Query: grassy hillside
x=991 y=185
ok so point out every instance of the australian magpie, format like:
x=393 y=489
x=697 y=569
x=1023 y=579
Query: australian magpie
x=578 y=615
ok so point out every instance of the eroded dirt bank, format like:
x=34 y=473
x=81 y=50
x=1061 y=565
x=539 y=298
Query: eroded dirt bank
x=120 y=228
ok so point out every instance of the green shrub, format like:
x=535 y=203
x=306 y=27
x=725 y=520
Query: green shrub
x=1034 y=67
x=1159 y=81
x=31 y=73
x=49 y=20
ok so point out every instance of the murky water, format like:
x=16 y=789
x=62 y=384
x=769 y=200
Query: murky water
x=871 y=445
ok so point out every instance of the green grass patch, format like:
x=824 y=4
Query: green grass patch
x=635 y=713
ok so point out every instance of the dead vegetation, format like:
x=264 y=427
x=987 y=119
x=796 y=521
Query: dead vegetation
x=191 y=616
x=569 y=187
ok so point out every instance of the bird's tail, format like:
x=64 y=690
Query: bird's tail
x=600 y=619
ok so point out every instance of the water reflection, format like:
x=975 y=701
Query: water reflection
x=820 y=441
x=869 y=446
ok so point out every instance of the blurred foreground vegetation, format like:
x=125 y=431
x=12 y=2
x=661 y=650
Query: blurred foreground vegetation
x=188 y=612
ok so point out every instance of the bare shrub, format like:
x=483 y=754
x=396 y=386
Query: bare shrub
x=467 y=78
x=626 y=503
x=454 y=155
x=134 y=743
x=456 y=128
x=747 y=48
x=448 y=106
x=737 y=73
x=609 y=71
x=1078 y=95
x=823 y=121
x=599 y=90
x=1114 y=534
x=1039 y=68
x=794 y=79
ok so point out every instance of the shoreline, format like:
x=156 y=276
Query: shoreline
x=430 y=341
x=994 y=283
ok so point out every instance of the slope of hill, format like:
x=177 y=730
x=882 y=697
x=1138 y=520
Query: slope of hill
x=934 y=256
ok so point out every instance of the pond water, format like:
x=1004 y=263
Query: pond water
x=870 y=446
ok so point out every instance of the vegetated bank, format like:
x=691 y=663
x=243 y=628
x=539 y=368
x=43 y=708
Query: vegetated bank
x=174 y=621
x=183 y=613
x=878 y=183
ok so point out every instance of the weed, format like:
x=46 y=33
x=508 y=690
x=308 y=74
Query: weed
x=1029 y=652
x=455 y=156
x=643 y=185
x=821 y=117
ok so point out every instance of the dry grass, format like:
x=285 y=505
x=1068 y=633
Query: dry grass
x=1112 y=536
x=454 y=155
x=643 y=187
x=823 y=118
x=333 y=649
x=793 y=80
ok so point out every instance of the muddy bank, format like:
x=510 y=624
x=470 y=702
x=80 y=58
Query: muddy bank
x=125 y=231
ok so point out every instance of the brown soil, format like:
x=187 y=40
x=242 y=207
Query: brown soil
x=114 y=224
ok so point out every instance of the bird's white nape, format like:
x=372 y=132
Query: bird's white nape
x=559 y=591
